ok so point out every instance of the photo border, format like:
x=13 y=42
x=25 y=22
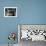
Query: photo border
x=10 y=7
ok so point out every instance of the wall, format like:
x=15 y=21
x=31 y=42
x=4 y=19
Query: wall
x=29 y=12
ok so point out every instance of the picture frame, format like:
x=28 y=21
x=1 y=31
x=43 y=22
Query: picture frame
x=10 y=11
x=39 y=28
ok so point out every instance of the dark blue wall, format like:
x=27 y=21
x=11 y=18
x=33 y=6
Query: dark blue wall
x=29 y=12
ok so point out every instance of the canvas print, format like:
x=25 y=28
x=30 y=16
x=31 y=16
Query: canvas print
x=10 y=11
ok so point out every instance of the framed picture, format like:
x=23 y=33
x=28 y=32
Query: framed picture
x=10 y=11
x=31 y=32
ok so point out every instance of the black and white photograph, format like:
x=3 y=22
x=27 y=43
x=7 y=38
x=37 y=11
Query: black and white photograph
x=10 y=11
x=29 y=34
